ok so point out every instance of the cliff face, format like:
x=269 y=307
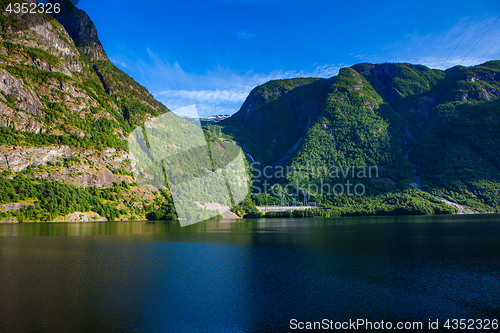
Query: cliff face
x=83 y=168
x=65 y=109
x=82 y=30
x=48 y=68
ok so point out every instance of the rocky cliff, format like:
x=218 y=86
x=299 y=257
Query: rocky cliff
x=65 y=111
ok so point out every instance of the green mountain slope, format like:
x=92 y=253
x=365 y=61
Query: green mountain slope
x=422 y=129
x=275 y=115
x=72 y=93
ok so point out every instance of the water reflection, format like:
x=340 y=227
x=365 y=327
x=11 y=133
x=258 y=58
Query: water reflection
x=217 y=226
x=246 y=276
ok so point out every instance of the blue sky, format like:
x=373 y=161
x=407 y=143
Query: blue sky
x=212 y=53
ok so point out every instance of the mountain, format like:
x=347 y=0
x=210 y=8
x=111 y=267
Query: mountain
x=425 y=131
x=394 y=138
x=65 y=113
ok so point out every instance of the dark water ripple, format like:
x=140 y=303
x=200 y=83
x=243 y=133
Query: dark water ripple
x=250 y=276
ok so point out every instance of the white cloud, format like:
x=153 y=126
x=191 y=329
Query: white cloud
x=447 y=49
x=208 y=102
x=216 y=91
x=209 y=96
x=221 y=90
x=187 y=111
x=324 y=71
x=245 y=35
x=119 y=62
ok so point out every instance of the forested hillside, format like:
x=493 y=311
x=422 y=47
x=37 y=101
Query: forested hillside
x=65 y=113
x=424 y=130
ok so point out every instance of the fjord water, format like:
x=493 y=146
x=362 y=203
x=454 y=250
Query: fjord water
x=246 y=276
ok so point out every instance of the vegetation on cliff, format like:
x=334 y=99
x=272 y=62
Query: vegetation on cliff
x=58 y=89
x=428 y=132
x=425 y=130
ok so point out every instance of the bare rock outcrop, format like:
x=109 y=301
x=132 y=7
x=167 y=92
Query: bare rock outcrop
x=15 y=87
x=82 y=217
x=87 y=168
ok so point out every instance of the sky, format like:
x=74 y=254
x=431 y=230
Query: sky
x=212 y=53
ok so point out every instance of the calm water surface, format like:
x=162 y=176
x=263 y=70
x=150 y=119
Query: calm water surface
x=247 y=276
